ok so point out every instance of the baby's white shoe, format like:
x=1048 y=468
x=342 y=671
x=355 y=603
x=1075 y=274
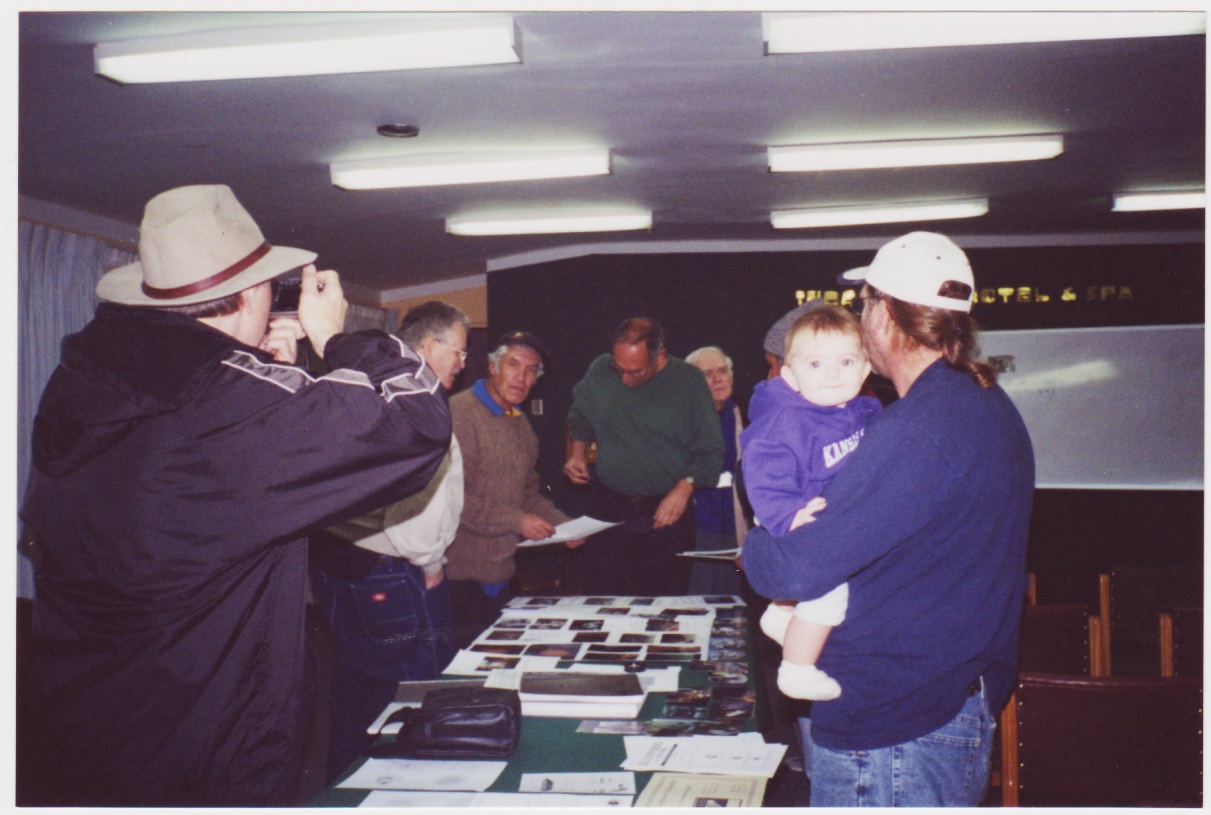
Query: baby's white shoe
x=806 y=682
x=775 y=621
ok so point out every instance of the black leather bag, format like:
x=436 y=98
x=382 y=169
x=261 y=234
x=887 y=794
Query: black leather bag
x=457 y=723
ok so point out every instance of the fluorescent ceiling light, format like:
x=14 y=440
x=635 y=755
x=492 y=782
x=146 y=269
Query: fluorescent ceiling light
x=878 y=214
x=914 y=153
x=523 y=224
x=1141 y=201
x=435 y=169
x=242 y=53
x=789 y=33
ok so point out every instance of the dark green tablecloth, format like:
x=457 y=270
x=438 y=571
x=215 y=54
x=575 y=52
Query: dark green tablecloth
x=549 y=746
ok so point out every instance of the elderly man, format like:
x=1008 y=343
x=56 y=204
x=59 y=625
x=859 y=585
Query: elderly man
x=179 y=463
x=717 y=511
x=385 y=599
x=657 y=441
x=928 y=523
x=503 y=501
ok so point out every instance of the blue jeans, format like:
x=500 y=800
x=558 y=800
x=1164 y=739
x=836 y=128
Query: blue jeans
x=387 y=629
x=948 y=767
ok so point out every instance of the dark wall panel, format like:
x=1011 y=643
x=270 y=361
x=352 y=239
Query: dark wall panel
x=732 y=299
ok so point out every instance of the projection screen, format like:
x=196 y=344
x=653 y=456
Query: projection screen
x=1109 y=408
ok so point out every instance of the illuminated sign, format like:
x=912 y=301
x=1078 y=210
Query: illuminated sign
x=1002 y=294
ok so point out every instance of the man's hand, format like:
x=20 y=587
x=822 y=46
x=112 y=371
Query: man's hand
x=322 y=306
x=576 y=468
x=282 y=339
x=535 y=528
x=432 y=581
x=672 y=505
x=808 y=513
x=575 y=544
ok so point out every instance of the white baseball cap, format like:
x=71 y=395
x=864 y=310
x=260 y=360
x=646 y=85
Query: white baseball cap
x=913 y=268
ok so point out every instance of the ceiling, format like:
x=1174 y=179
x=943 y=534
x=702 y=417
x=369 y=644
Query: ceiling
x=686 y=102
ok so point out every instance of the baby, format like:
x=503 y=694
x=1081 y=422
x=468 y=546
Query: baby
x=804 y=424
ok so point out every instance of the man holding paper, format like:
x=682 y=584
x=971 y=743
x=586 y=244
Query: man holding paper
x=502 y=502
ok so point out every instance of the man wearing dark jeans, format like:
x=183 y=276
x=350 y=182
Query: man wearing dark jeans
x=657 y=437
x=386 y=599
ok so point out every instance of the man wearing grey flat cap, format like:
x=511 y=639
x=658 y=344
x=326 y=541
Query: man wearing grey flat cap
x=928 y=523
x=180 y=460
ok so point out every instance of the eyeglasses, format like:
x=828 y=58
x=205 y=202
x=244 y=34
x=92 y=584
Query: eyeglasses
x=462 y=355
x=629 y=372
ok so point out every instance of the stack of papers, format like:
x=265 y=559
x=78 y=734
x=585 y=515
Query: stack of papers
x=574 y=694
x=567 y=694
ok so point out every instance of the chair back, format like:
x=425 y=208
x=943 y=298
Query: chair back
x=1181 y=636
x=1133 y=598
x=1055 y=639
x=1064 y=585
x=1103 y=741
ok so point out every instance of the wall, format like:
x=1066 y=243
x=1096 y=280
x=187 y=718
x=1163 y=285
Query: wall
x=472 y=301
x=732 y=299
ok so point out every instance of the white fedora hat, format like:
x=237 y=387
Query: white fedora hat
x=196 y=244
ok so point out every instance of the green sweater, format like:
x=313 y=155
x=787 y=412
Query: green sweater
x=651 y=436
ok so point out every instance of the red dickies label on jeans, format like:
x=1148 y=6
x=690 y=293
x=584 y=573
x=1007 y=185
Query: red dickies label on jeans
x=378 y=596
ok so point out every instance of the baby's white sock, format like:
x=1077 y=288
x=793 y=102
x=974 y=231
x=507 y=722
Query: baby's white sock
x=775 y=620
x=806 y=682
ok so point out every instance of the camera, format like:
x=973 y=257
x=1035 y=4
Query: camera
x=286 y=289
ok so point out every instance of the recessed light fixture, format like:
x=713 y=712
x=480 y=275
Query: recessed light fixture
x=912 y=153
x=538 y=224
x=398 y=131
x=791 y=32
x=420 y=41
x=434 y=169
x=878 y=214
x=1143 y=201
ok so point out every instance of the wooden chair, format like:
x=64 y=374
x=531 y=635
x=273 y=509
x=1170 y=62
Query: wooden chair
x=1181 y=642
x=1103 y=741
x=1129 y=601
x=1058 y=639
x=1061 y=639
x=1062 y=585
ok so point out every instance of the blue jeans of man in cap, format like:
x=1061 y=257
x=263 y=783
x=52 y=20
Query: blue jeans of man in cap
x=948 y=767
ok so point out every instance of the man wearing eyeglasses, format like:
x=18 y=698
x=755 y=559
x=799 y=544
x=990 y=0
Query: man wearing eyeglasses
x=386 y=599
x=653 y=418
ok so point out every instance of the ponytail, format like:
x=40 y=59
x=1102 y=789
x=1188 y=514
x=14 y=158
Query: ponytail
x=951 y=333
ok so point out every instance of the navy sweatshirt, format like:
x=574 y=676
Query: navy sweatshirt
x=928 y=523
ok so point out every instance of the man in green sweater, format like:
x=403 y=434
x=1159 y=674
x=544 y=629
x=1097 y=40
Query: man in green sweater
x=502 y=502
x=657 y=436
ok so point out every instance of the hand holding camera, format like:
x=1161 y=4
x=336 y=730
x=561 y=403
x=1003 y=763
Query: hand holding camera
x=322 y=306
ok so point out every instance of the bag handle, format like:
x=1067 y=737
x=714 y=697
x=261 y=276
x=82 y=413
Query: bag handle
x=408 y=718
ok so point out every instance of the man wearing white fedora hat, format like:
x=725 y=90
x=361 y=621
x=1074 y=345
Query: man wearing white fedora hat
x=928 y=523
x=179 y=462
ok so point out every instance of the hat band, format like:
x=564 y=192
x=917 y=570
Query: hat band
x=209 y=282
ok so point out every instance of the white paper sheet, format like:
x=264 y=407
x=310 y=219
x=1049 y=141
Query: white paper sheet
x=622 y=783
x=574 y=529
x=442 y=800
x=715 y=755
x=410 y=774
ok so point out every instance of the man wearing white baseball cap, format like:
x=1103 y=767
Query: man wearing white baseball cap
x=928 y=523
x=179 y=463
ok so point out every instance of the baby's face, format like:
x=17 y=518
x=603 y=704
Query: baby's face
x=827 y=368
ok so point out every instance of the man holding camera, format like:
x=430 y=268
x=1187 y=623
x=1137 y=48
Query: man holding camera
x=178 y=466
